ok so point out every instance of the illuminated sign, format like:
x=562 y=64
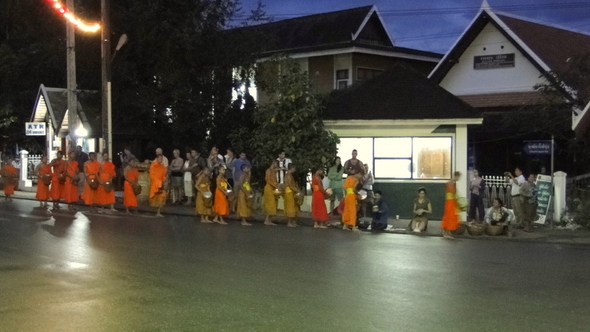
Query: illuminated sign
x=35 y=128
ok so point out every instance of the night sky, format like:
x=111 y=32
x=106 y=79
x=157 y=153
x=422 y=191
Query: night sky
x=434 y=25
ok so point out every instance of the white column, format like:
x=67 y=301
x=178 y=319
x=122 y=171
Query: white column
x=24 y=170
x=461 y=163
x=559 y=183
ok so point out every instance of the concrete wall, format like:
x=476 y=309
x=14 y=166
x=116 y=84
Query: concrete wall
x=462 y=79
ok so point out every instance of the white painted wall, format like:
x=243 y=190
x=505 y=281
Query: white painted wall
x=460 y=164
x=462 y=79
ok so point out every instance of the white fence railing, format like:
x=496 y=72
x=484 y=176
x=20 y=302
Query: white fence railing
x=497 y=187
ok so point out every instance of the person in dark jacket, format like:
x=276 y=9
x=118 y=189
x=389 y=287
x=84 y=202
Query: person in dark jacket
x=380 y=212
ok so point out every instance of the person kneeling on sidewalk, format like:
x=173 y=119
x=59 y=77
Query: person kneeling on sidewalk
x=499 y=215
x=380 y=212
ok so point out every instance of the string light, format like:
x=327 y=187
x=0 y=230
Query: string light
x=60 y=8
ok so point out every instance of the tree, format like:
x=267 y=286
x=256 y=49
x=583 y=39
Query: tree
x=173 y=80
x=290 y=121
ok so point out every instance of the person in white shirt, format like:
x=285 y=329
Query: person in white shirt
x=516 y=181
x=283 y=167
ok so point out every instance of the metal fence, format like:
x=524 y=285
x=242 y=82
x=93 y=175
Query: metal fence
x=497 y=187
x=578 y=187
x=34 y=160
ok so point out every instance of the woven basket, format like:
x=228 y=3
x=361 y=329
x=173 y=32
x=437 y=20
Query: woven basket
x=494 y=230
x=460 y=230
x=476 y=229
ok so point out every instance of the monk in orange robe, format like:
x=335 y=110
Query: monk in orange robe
x=43 y=172
x=450 y=220
x=271 y=192
x=10 y=176
x=106 y=191
x=157 y=195
x=71 y=187
x=58 y=179
x=131 y=175
x=91 y=168
x=221 y=204
x=290 y=197
x=350 y=212
x=244 y=206
x=202 y=204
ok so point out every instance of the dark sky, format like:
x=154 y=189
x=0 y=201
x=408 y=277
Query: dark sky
x=434 y=25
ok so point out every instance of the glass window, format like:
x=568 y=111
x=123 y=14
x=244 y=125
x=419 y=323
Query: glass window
x=432 y=156
x=363 y=145
x=342 y=74
x=393 y=147
x=393 y=168
x=342 y=84
x=402 y=157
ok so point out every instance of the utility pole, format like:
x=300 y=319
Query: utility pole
x=71 y=73
x=107 y=131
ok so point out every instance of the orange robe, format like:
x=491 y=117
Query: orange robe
x=106 y=173
x=450 y=220
x=318 y=205
x=57 y=188
x=221 y=205
x=157 y=197
x=91 y=170
x=269 y=197
x=349 y=214
x=291 y=207
x=129 y=198
x=9 y=185
x=70 y=192
x=244 y=209
x=42 y=188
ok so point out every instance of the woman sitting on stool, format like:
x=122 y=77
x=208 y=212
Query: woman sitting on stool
x=422 y=208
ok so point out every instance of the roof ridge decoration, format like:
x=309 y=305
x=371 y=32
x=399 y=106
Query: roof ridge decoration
x=373 y=10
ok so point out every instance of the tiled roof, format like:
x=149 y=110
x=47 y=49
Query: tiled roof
x=553 y=45
x=507 y=99
x=327 y=31
x=400 y=93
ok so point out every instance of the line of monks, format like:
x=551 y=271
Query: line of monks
x=58 y=180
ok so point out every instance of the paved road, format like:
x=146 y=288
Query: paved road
x=94 y=272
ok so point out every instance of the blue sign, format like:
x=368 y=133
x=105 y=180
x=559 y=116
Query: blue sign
x=538 y=147
x=35 y=129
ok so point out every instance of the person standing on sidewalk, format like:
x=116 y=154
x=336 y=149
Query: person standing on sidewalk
x=528 y=195
x=335 y=174
x=58 y=179
x=368 y=181
x=10 y=176
x=244 y=205
x=516 y=181
x=450 y=220
x=476 y=188
x=290 y=196
x=72 y=177
x=221 y=204
x=271 y=193
x=81 y=158
x=318 y=206
x=131 y=175
x=43 y=172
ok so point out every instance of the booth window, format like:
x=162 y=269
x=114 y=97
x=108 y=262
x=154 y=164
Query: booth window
x=402 y=157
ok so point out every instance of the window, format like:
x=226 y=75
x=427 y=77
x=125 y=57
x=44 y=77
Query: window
x=366 y=73
x=402 y=157
x=341 y=79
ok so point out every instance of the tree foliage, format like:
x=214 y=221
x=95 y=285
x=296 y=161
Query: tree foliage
x=290 y=120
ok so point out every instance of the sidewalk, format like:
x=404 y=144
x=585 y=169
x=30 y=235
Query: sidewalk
x=542 y=233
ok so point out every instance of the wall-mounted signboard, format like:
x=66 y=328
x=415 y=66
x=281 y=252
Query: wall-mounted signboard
x=493 y=61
